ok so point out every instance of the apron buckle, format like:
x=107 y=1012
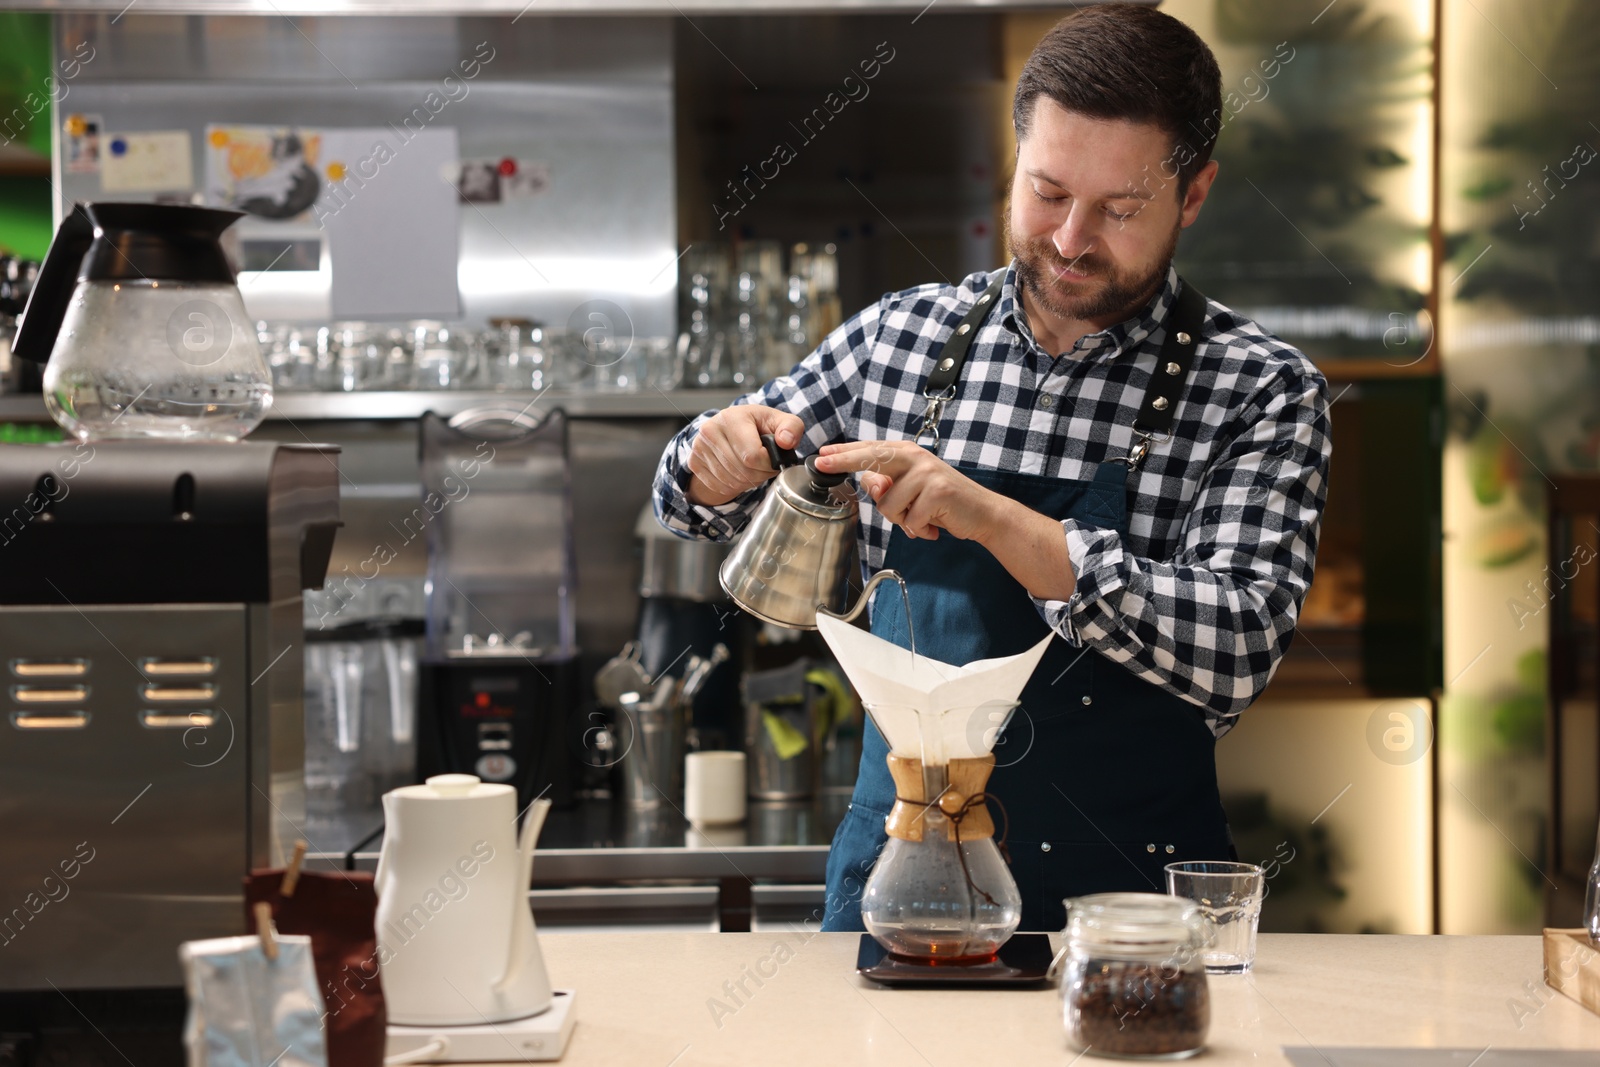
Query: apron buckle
x=1140 y=449
x=932 y=414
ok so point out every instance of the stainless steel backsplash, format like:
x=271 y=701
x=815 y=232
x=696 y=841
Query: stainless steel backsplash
x=590 y=98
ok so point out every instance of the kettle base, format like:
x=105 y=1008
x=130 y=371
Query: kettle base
x=538 y=1037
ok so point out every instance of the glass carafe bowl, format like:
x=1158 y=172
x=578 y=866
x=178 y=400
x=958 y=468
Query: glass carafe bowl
x=940 y=891
x=157 y=359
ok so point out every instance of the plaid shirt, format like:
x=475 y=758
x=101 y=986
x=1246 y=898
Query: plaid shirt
x=1201 y=594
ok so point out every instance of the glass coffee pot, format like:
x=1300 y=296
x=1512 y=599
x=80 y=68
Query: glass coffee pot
x=141 y=328
x=941 y=891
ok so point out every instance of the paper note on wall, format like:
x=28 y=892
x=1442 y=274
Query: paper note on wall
x=392 y=222
x=153 y=161
x=268 y=172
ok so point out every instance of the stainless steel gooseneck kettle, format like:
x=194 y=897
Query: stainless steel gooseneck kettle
x=795 y=555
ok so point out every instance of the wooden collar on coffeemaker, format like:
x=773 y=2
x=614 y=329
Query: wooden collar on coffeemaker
x=960 y=808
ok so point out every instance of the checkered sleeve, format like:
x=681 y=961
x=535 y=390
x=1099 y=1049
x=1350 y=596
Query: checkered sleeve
x=823 y=389
x=1211 y=624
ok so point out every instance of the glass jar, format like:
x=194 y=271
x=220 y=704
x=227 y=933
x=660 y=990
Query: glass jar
x=1134 y=985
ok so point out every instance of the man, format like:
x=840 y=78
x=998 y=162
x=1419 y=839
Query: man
x=1118 y=461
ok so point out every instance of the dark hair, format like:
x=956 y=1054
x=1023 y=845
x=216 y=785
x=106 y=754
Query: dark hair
x=1130 y=62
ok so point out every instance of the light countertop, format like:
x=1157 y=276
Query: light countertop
x=672 y=1000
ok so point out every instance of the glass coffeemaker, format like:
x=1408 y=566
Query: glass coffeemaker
x=941 y=891
x=141 y=328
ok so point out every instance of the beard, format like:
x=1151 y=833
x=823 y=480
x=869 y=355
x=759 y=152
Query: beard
x=1109 y=294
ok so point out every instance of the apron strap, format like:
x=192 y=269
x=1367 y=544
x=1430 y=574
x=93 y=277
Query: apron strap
x=1160 y=401
x=954 y=355
x=1172 y=366
x=940 y=387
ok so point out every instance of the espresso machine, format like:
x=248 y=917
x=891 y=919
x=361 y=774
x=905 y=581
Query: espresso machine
x=151 y=570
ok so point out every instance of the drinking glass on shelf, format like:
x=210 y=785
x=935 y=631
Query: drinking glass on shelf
x=356 y=358
x=593 y=358
x=324 y=373
x=757 y=283
x=661 y=367
x=703 y=284
x=293 y=359
x=564 y=367
x=518 y=359
x=395 y=351
x=1229 y=895
x=438 y=359
x=475 y=347
x=817 y=269
x=614 y=365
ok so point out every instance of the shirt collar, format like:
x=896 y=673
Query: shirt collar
x=1125 y=336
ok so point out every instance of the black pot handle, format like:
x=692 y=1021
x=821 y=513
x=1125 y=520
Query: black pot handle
x=779 y=457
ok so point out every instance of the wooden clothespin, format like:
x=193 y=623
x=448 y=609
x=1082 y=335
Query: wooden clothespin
x=291 y=873
x=269 y=943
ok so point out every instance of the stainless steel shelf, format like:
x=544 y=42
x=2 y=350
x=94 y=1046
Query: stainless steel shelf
x=311 y=407
x=790 y=864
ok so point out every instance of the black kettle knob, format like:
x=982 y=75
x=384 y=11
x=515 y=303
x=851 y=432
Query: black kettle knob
x=822 y=480
x=779 y=457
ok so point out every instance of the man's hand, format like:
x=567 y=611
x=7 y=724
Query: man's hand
x=916 y=490
x=922 y=494
x=727 y=457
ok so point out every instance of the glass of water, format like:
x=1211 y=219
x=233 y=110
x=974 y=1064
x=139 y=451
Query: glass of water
x=1229 y=895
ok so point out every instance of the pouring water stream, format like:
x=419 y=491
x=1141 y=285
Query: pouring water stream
x=866 y=597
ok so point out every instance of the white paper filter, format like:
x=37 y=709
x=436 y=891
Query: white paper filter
x=928 y=709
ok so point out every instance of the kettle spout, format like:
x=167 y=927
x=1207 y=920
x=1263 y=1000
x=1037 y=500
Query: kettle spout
x=866 y=596
x=518 y=952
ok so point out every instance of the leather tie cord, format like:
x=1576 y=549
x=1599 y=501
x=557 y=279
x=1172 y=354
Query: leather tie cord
x=955 y=820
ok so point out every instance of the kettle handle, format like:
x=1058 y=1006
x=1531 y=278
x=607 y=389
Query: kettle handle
x=516 y=951
x=779 y=457
x=52 y=290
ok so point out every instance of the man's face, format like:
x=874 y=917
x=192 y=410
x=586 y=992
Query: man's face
x=1094 y=213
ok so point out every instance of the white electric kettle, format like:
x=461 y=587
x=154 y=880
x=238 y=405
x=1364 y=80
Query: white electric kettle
x=456 y=941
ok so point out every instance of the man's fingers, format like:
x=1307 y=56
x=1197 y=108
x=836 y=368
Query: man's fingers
x=787 y=428
x=895 y=501
x=709 y=475
x=745 y=448
x=919 y=518
x=864 y=456
x=741 y=451
x=874 y=484
x=725 y=470
x=711 y=451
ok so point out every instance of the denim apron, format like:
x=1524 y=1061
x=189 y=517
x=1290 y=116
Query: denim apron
x=1104 y=778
